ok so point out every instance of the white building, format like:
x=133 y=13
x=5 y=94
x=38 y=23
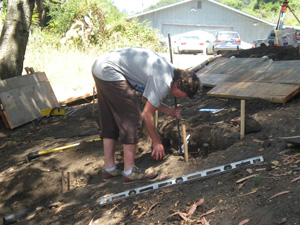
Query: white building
x=205 y=15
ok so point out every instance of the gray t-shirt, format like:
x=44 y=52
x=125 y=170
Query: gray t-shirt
x=144 y=69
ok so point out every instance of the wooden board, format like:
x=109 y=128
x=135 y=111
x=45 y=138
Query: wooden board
x=246 y=78
x=293 y=140
x=24 y=97
x=252 y=69
x=273 y=92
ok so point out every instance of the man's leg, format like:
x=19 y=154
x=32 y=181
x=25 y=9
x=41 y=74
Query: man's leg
x=129 y=156
x=109 y=152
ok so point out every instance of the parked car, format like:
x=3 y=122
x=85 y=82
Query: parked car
x=190 y=44
x=224 y=41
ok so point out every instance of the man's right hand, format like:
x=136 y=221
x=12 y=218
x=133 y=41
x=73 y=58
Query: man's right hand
x=158 y=151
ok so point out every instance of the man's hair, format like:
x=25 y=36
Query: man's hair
x=188 y=82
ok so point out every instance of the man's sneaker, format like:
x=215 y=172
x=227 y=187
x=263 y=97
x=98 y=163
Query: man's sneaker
x=107 y=175
x=138 y=174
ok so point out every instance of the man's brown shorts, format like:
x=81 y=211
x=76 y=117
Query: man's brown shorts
x=119 y=112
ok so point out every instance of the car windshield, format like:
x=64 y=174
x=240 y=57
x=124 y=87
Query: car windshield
x=228 y=35
x=191 y=37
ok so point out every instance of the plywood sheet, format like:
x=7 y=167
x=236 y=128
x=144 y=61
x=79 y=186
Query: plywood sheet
x=273 y=92
x=24 y=97
x=245 y=78
x=252 y=69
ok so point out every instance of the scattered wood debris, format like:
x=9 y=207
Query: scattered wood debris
x=278 y=194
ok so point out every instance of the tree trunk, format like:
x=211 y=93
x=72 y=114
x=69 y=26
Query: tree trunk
x=14 y=37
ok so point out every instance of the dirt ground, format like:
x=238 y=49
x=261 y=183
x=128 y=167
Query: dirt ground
x=266 y=193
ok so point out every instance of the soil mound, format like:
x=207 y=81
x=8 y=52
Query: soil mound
x=273 y=52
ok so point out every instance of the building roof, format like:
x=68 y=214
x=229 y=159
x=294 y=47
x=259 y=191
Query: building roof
x=212 y=1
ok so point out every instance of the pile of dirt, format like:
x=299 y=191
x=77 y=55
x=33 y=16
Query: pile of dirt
x=273 y=52
x=65 y=187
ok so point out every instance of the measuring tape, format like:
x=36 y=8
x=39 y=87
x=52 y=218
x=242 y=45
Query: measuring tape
x=179 y=180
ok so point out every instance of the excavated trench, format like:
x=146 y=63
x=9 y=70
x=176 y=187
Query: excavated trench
x=208 y=133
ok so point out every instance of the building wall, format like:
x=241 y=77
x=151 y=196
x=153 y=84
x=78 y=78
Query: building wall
x=207 y=16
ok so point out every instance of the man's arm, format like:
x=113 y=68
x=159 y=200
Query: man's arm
x=171 y=111
x=148 y=118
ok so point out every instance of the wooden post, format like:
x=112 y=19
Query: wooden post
x=242 y=125
x=62 y=181
x=93 y=101
x=68 y=180
x=186 y=153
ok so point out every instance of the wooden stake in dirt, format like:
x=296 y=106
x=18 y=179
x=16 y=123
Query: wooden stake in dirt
x=242 y=119
x=62 y=181
x=94 y=101
x=156 y=118
x=186 y=153
x=68 y=180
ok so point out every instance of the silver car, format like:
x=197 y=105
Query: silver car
x=224 y=41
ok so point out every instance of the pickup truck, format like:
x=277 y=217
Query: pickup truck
x=271 y=37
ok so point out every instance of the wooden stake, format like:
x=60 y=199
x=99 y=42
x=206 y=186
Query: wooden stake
x=242 y=125
x=68 y=179
x=93 y=101
x=62 y=181
x=186 y=154
x=156 y=118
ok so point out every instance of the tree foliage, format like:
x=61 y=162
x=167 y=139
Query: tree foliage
x=266 y=9
x=95 y=23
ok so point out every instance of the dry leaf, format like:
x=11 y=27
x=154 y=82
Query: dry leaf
x=134 y=212
x=276 y=163
x=250 y=170
x=241 y=185
x=244 y=222
x=280 y=193
x=176 y=213
x=258 y=141
x=252 y=192
x=260 y=169
x=200 y=202
x=204 y=221
x=152 y=207
x=183 y=216
x=246 y=178
x=192 y=209
x=294 y=180
x=59 y=209
x=208 y=212
x=113 y=208
x=194 y=206
x=139 y=216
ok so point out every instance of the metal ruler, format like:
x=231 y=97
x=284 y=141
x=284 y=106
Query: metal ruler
x=179 y=180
